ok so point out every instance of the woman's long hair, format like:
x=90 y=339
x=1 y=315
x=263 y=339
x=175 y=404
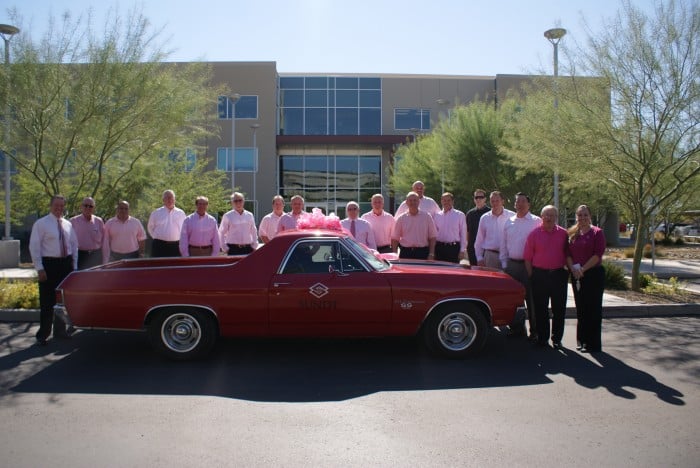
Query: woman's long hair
x=575 y=230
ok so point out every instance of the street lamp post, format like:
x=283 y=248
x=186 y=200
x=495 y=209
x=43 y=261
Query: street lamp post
x=255 y=127
x=7 y=31
x=554 y=36
x=233 y=99
x=442 y=102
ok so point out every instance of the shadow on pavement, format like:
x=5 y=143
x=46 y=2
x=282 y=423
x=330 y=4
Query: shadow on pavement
x=296 y=370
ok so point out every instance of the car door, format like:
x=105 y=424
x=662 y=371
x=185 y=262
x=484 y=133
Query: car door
x=323 y=289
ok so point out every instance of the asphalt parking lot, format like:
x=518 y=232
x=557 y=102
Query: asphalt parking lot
x=105 y=399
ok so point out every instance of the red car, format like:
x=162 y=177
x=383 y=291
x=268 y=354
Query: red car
x=301 y=284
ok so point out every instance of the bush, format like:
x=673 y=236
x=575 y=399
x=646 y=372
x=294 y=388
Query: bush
x=614 y=276
x=646 y=280
x=646 y=253
x=680 y=241
x=19 y=295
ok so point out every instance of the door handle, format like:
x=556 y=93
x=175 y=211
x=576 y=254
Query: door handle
x=277 y=285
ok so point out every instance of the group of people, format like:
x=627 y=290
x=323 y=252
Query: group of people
x=534 y=250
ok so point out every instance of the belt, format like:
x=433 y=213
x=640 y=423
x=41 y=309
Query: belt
x=167 y=242
x=414 y=248
x=491 y=250
x=200 y=247
x=56 y=259
x=546 y=270
x=239 y=246
x=516 y=260
x=89 y=252
x=447 y=243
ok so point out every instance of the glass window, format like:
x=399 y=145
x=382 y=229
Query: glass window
x=316 y=82
x=316 y=122
x=370 y=121
x=223 y=159
x=316 y=98
x=292 y=171
x=245 y=159
x=223 y=108
x=346 y=122
x=247 y=107
x=346 y=98
x=371 y=98
x=425 y=120
x=370 y=83
x=406 y=119
x=291 y=98
x=292 y=121
x=292 y=82
x=346 y=83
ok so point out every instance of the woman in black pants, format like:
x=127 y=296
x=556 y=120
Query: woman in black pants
x=586 y=248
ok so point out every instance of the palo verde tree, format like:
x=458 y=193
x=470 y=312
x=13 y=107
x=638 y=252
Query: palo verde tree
x=630 y=125
x=93 y=113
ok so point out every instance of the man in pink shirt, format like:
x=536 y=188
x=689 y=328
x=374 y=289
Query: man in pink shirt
x=545 y=253
x=288 y=221
x=382 y=223
x=89 y=229
x=426 y=203
x=124 y=236
x=414 y=232
x=268 y=225
x=451 y=225
x=199 y=236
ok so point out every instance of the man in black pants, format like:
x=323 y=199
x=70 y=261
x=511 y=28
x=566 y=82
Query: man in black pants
x=53 y=246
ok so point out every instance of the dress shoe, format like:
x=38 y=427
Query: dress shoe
x=41 y=342
x=556 y=344
x=579 y=346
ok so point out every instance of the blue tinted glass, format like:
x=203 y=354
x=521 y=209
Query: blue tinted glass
x=247 y=107
x=370 y=171
x=316 y=82
x=291 y=82
x=223 y=161
x=292 y=122
x=331 y=121
x=425 y=119
x=370 y=83
x=316 y=122
x=344 y=98
x=316 y=98
x=405 y=119
x=370 y=99
x=346 y=171
x=291 y=171
x=291 y=98
x=346 y=121
x=245 y=160
x=370 y=121
x=346 y=83
x=316 y=170
x=331 y=97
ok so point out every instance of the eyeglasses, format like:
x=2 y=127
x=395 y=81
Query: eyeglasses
x=352 y=209
x=479 y=197
x=89 y=206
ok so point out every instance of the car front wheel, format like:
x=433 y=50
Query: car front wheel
x=182 y=334
x=456 y=331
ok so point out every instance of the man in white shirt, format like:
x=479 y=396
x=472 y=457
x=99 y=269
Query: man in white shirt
x=164 y=226
x=426 y=204
x=357 y=227
x=200 y=234
x=513 y=237
x=238 y=234
x=451 y=225
x=488 y=236
x=268 y=225
x=382 y=223
x=53 y=246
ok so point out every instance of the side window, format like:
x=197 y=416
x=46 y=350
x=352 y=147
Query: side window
x=311 y=257
x=348 y=261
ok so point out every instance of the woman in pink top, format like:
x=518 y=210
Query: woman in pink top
x=586 y=248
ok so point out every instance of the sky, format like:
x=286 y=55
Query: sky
x=435 y=37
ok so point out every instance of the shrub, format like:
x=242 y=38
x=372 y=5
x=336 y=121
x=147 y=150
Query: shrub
x=19 y=295
x=680 y=241
x=646 y=280
x=646 y=253
x=614 y=276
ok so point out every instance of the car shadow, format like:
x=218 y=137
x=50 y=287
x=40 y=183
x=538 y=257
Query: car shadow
x=300 y=370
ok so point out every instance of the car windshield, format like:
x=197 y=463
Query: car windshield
x=367 y=255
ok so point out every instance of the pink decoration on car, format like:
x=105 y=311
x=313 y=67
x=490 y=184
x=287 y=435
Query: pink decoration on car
x=317 y=220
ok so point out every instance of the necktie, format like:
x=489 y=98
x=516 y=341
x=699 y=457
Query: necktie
x=352 y=228
x=64 y=251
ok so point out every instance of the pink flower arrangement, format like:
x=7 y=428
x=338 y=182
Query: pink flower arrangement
x=317 y=220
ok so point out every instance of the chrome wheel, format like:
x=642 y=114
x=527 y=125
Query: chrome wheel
x=456 y=331
x=181 y=332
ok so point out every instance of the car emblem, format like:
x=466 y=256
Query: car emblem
x=406 y=305
x=318 y=290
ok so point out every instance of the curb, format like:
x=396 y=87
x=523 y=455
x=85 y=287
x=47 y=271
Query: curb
x=627 y=311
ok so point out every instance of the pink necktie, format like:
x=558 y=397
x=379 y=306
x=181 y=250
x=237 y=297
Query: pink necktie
x=64 y=251
x=352 y=228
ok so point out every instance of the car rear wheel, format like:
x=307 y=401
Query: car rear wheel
x=456 y=331
x=182 y=334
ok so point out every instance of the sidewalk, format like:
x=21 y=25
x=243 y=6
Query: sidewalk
x=613 y=306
